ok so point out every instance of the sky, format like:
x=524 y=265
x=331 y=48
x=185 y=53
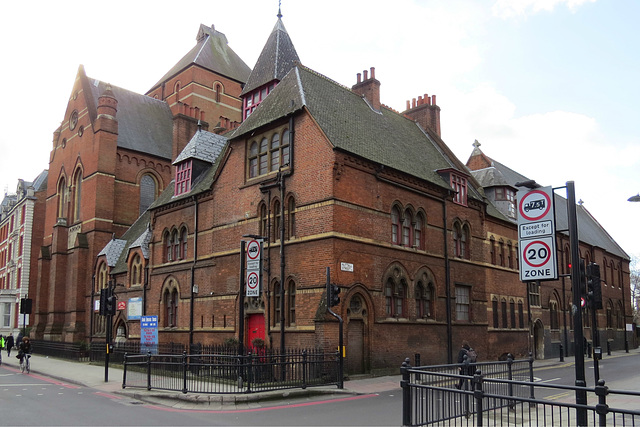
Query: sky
x=548 y=87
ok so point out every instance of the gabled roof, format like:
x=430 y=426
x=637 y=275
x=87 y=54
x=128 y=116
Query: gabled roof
x=112 y=251
x=385 y=137
x=138 y=235
x=277 y=58
x=205 y=146
x=213 y=53
x=589 y=230
x=145 y=124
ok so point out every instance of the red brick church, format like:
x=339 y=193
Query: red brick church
x=154 y=194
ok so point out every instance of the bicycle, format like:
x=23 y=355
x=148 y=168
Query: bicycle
x=24 y=364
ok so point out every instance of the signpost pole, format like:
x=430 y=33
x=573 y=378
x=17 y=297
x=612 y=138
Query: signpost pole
x=578 y=338
x=241 y=299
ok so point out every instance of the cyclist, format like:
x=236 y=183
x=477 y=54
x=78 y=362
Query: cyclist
x=24 y=349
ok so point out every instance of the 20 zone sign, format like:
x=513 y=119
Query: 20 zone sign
x=539 y=262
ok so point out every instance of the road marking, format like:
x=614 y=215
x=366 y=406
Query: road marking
x=549 y=380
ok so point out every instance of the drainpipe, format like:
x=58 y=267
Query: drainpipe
x=193 y=268
x=447 y=280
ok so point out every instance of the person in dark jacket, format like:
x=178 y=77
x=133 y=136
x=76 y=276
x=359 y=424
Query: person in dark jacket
x=24 y=348
x=9 y=344
x=465 y=369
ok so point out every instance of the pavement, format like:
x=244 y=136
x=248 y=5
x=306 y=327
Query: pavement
x=93 y=376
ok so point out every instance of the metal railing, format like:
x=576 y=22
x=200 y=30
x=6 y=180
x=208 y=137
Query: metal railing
x=226 y=374
x=64 y=350
x=430 y=397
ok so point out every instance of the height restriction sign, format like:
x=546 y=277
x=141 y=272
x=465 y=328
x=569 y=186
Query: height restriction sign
x=537 y=235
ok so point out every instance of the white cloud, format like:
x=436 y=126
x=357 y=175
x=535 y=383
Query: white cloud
x=514 y=8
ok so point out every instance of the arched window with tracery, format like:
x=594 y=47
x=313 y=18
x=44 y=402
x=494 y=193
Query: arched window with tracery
x=62 y=199
x=262 y=213
x=135 y=271
x=101 y=282
x=148 y=192
x=406 y=228
x=291 y=303
x=505 y=314
x=170 y=299
x=168 y=247
x=492 y=249
x=77 y=194
x=175 y=243
x=277 y=218
x=276 y=303
x=496 y=312
x=395 y=225
x=418 y=227
x=217 y=88
x=395 y=294
x=512 y=312
x=424 y=297
x=183 y=244
x=291 y=218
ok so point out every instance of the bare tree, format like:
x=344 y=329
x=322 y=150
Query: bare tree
x=634 y=267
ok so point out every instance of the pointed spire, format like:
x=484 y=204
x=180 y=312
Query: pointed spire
x=277 y=58
x=279 y=13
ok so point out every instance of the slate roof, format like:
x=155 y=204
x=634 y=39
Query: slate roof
x=40 y=183
x=138 y=235
x=589 y=230
x=145 y=124
x=213 y=53
x=205 y=146
x=276 y=59
x=112 y=251
x=350 y=124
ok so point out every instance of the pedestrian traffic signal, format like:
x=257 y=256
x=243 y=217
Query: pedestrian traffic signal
x=593 y=286
x=333 y=298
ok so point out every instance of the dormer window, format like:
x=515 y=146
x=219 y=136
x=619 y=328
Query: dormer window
x=183 y=178
x=509 y=195
x=459 y=184
x=253 y=99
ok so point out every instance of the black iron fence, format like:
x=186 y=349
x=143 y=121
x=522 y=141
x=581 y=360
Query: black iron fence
x=64 y=350
x=499 y=394
x=228 y=374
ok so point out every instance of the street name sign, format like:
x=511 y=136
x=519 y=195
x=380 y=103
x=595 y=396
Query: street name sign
x=537 y=235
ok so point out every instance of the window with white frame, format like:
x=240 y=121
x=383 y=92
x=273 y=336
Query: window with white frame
x=463 y=303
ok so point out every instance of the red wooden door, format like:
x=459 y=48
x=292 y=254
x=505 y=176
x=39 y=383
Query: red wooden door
x=255 y=329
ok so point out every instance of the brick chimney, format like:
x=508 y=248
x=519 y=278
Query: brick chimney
x=185 y=125
x=424 y=111
x=368 y=87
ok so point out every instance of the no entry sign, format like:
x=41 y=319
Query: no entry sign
x=536 y=235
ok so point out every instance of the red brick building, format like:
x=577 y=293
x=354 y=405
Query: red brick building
x=423 y=246
x=110 y=160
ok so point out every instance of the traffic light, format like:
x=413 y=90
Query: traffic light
x=333 y=298
x=103 y=302
x=593 y=286
x=583 y=278
x=110 y=308
x=25 y=305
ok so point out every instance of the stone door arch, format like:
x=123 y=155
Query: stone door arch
x=357 y=337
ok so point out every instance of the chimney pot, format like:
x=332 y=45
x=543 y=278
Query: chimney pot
x=365 y=73
x=433 y=99
x=373 y=72
x=408 y=104
x=413 y=103
x=359 y=77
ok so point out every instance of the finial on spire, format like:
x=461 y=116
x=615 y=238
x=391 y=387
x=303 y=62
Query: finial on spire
x=476 y=143
x=279 y=13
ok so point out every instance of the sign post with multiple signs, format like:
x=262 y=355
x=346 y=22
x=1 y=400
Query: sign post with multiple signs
x=254 y=263
x=536 y=235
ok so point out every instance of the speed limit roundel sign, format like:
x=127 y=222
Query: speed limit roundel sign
x=534 y=205
x=537 y=253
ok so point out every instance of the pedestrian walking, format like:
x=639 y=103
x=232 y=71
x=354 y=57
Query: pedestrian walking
x=468 y=366
x=9 y=344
